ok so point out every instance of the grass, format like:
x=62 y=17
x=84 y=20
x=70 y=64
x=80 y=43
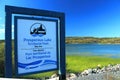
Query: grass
x=80 y=63
x=77 y=63
x=39 y=75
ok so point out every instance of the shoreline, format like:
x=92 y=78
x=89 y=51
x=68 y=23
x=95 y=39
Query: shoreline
x=95 y=43
x=93 y=40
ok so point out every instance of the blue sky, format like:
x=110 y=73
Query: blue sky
x=97 y=18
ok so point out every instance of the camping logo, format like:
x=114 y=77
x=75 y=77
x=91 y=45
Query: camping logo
x=37 y=29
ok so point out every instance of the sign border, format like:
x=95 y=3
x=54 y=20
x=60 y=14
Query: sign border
x=16 y=43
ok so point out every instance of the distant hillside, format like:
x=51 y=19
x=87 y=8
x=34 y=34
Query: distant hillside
x=82 y=40
x=92 y=40
x=1 y=41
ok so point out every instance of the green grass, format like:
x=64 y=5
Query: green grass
x=80 y=63
x=77 y=63
x=39 y=75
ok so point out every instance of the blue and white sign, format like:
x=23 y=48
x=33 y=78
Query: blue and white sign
x=36 y=48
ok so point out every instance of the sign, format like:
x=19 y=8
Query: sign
x=36 y=44
x=39 y=43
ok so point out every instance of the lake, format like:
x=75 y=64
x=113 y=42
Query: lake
x=110 y=50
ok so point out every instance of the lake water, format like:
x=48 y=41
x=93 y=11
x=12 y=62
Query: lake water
x=110 y=50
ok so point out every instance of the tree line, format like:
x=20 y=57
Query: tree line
x=104 y=40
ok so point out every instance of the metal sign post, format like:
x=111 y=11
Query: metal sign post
x=58 y=40
x=8 y=45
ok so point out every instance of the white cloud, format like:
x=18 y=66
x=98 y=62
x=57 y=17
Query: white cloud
x=2 y=31
x=2 y=25
x=0 y=18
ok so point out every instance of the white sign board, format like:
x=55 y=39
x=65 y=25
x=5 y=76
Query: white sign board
x=36 y=48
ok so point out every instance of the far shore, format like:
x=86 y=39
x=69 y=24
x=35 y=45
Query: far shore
x=92 y=40
x=95 y=43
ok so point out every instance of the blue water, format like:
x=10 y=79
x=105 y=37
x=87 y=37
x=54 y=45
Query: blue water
x=110 y=50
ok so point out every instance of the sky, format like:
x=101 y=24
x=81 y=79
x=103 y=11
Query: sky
x=93 y=18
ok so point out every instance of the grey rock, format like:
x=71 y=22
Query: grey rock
x=54 y=76
x=110 y=72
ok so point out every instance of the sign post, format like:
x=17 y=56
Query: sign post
x=39 y=43
x=8 y=45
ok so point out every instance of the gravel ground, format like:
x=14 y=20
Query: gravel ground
x=110 y=72
x=100 y=76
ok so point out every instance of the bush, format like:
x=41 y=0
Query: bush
x=2 y=51
x=1 y=68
